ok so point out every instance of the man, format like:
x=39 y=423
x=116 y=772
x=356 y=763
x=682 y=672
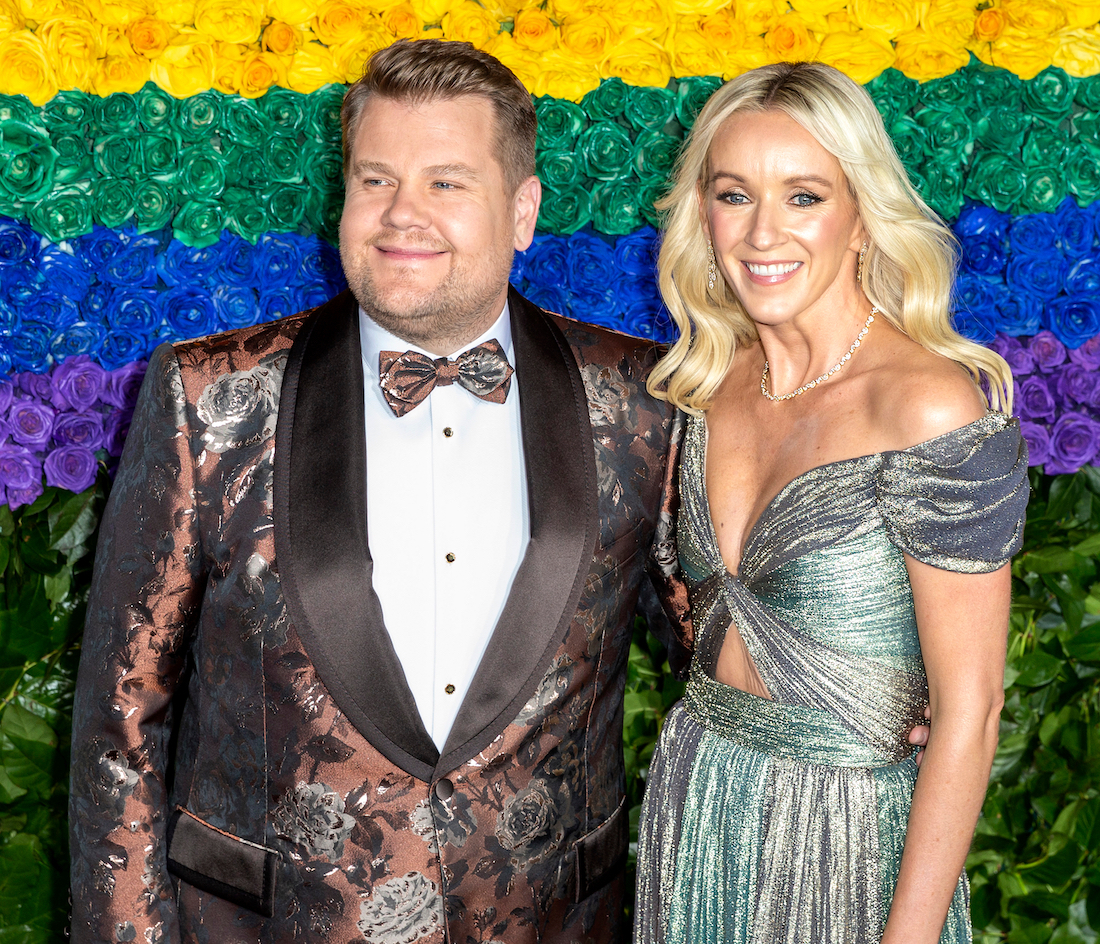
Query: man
x=355 y=655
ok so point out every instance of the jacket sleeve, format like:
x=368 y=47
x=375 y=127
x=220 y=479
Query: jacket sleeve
x=663 y=563
x=147 y=586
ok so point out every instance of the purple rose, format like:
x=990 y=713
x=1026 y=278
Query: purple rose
x=1038 y=442
x=1076 y=384
x=20 y=475
x=77 y=383
x=31 y=423
x=123 y=384
x=18 y=497
x=1088 y=354
x=1047 y=350
x=1018 y=357
x=72 y=468
x=33 y=385
x=1073 y=443
x=79 y=429
x=1034 y=400
x=114 y=433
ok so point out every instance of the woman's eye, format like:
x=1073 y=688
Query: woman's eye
x=732 y=196
x=806 y=199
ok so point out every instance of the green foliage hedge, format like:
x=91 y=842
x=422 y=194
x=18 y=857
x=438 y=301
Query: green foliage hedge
x=1035 y=862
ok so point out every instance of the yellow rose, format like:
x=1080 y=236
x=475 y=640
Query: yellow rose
x=228 y=58
x=722 y=29
x=1081 y=14
x=312 y=66
x=11 y=17
x=693 y=53
x=790 y=41
x=119 y=12
x=950 y=20
x=279 y=38
x=816 y=14
x=149 y=36
x=859 y=55
x=177 y=12
x=337 y=21
x=892 y=17
x=561 y=75
x=230 y=21
x=534 y=30
x=294 y=12
x=260 y=71
x=759 y=16
x=430 y=11
x=564 y=9
x=515 y=57
x=640 y=62
x=74 y=46
x=402 y=22
x=349 y=60
x=25 y=68
x=589 y=37
x=1024 y=54
x=989 y=25
x=1078 y=52
x=121 y=71
x=186 y=67
x=1034 y=18
x=922 y=56
x=650 y=18
x=697 y=8
x=471 y=23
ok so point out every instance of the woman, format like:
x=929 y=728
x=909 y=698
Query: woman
x=850 y=503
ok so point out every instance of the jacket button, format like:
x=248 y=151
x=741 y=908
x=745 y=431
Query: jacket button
x=444 y=789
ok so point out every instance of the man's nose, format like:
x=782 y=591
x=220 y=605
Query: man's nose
x=407 y=209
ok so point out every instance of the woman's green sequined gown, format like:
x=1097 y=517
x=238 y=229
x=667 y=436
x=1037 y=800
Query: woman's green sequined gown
x=783 y=820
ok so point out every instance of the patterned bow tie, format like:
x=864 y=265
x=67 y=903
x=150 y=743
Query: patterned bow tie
x=408 y=378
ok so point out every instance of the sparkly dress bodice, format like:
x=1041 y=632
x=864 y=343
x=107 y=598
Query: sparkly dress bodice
x=796 y=805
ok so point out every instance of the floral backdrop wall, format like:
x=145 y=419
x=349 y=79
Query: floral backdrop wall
x=172 y=169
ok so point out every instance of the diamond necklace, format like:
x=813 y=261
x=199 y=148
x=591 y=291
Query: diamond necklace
x=825 y=376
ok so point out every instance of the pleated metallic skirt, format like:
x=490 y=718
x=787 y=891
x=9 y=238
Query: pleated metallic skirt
x=764 y=824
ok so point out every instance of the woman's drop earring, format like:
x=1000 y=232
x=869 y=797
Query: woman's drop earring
x=712 y=268
x=859 y=265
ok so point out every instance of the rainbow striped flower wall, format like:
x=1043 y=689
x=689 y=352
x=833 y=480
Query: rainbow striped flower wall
x=172 y=169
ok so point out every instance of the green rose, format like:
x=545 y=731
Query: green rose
x=245 y=166
x=160 y=154
x=199 y=223
x=117 y=155
x=1045 y=146
x=1087 y=128
x=282 y=160
x=68 y=111
x=324 y=114
x=245 y=124
x=199 y=116
x=560 y=122
x=896 y=93
x=112 y=201
x=27 y=162
x=692 y=94
x=323 y=210
x=564 y=211
x=286 y=111
x=559 y=169
x=949 y=136
x=74 y=158
x=607 y=101
x=286 y=204
x=606 y=150
x=1088 y=93
x=155 y=106
x=1083 y=172
x=1002 y=128
x=616 y=207
x=947 y=93
x=324 y=170
x=202 y=173
x=997 y=180
x=1045 y=189
x=247 y=216
x=651 y=193
x=117 y=114
x=17 y=108
x=942 y=188
x=1050 y=94
x=650 y=108
x=908 y=138
x=64 y=213
x=655 y=155
x=154 y=204
x=994 y=87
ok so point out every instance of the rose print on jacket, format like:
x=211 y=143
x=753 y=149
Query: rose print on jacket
x=313 y=818
x=402 y=910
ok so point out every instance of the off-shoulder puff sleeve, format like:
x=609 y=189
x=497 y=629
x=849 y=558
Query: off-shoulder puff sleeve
x=958 y=501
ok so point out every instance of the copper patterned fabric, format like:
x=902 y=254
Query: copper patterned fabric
x=407 y=379
x=248 y=764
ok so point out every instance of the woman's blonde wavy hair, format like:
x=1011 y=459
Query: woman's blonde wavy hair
x=909 y=269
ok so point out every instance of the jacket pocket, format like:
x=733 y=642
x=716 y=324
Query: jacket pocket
x=214 y=861
x=600 y=855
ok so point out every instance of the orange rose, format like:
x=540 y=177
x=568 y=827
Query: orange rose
x=259 y=72
x=989 y=25
x=471 y=23
x=589 y=37
x=859 y=55
x=149 y=36
x=722 y=29
x=74 y=46
x=790 y=41
x=923 y=56
x=280 y=38
x=402 y=22
x=25 y=68
x=534 y=30
x=337 y=21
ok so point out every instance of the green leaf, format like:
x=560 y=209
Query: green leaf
x=1090 y=547
x=1053 y=870
x=1037 y=668
x=1085 y=644
x=73 y=521
x=7 y=521
x=1051 y=560
x=28 y=746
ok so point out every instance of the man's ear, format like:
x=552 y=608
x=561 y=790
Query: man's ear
x=525 y=209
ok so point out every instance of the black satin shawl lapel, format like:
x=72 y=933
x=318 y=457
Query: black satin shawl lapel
x=321 y=537
x=562 y=496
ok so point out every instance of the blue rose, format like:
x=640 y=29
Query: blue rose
x=1084 y=276
x=64 y=273
x=1017 y=314
x=30 y=349
x=321 y=266
x=10 y=322
x=1074 y=441
x=636 y=254
x=280 y=259
x=1042 y=275
x=1038 y=442
x=120 y=348
x=134 y=265
x=648 y=318
x=31 y=422
x=515 y=274
x=77 y=384
x=278 y=304
x=548 y=263
x=135 y=312
x=1074 y=319
x=635 y=290
x=18 y=243
x=236 y=306
x=97 y=247
x=240 y=263
x=593 y=307
x=81 y=338
x=1035 y=234
x=551 y=297
x=977 y=326
x=983 y=235
x=183 y=265
x=98 y=300
x=51 y=308
x=189 y=312
x=79 y=429
x=591 y=264
x=314 y=295
x=19 y=285
x=1075 y=229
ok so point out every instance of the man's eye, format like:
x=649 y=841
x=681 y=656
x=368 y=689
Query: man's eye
x=806 y=199
x=443 y=185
